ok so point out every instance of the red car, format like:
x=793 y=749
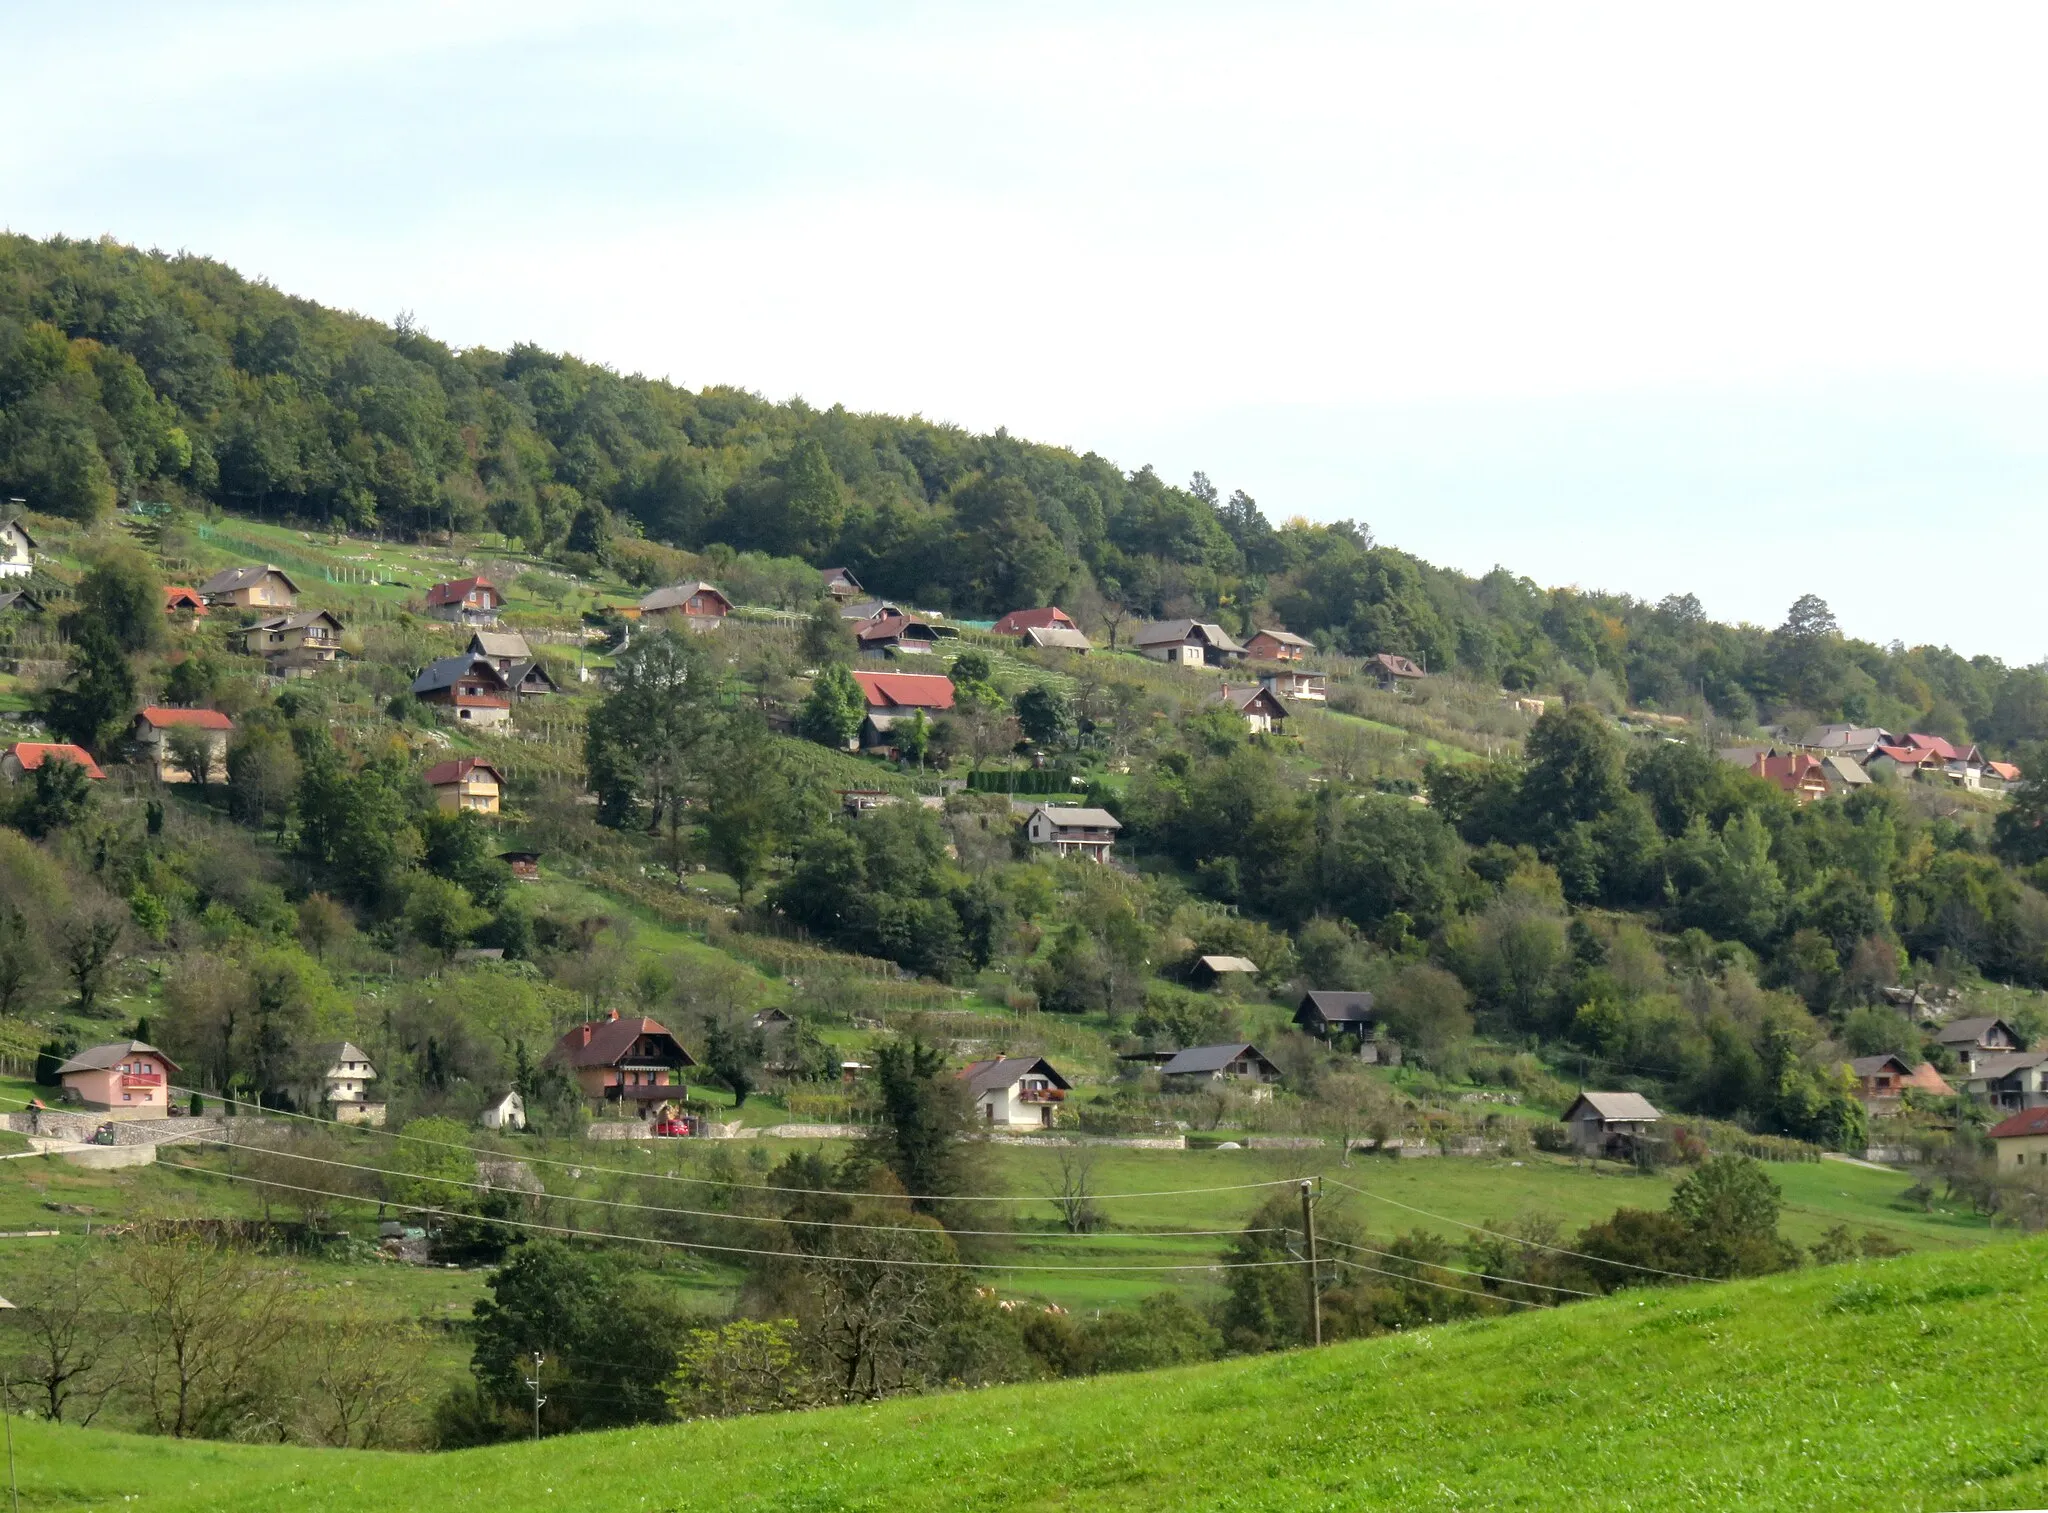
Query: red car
x=672 y=1127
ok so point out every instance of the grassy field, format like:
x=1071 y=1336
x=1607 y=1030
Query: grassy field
x=1901 y=1384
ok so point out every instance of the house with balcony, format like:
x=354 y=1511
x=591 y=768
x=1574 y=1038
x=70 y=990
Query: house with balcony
x=470 y=688
x=1881 y=1081
x=1802 y=776
x=1073 y=830
x=900 y=635
x=2007 y=1079
x=255 y=585
x=17 y=546
x=466 y=601
x=1015 y=1092
x=1327 y=1013
x=158 y=731
x=840 y=583
x=1286 y=683
x=624 y=1066
x=1391 y=673
x=1257 y=705
x=293 y=644
x=1974 y=1038
x=1188 y=643
x=1608 y=1124
x=125 y=1078
x=466 y=785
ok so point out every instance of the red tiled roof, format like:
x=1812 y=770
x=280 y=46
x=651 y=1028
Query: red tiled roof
x=2033 y=1121
x=203 y=719
x=605 y=1042
x=1789 y=772
x=176 y=596
x=443 y=773
x=906 y=690
x=1017 y=621
x=1906 y=756
x=457 y=590
x=32 y=754
x=2004 y=770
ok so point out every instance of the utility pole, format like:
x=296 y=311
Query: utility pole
x=7 y=1415
x=1308 y=1228
x=533 y=1382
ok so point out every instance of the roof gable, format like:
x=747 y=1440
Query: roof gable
x=457 y=589
x=1001 y=1072
x=32 y=754
x=1212 y=1058
x=612 y=1040
x=906 y=690
x=1622 y=1107
x=441 y=774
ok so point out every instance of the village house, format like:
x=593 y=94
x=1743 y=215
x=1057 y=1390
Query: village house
x=868 y=609
x=21 y=601
x=525 y=865
x=466 y=783
x=897 y=634
x=1257 y=705
x=1279 y=646
x=1603 y=1124
x=179 y=600
x=1854 y=741
x=1188 y=643
x=125 y=1078
x=1902 y=762
x=1292 y=683
x=470 y=687
x=2007 y=1079
x=1960 y=764
x=24 y=757
x=297 y=643
x=156 y=731
x=770 y=1019
x=1210 y=971
x=893 y=696
x=1056 y=638
x=345 y=1084
x=1073 y=830
x=503 y=649
x=1843 y=774
x=699 y=605
x=840 y=582
x=17 y=546
x=624 y=1064
x=1886 y=1078
x=2021 y=1142
x=466 y=601
x=1800 y=775
x=1391 y=673
x=1017 y=621
x=252 y=586
x=1999 y=776
x=1327 y=1014
x=1011 y=1092
x=505 y=1112
x=1976 y=1037
x=1202 y=1065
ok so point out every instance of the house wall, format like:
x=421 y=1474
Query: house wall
x=2022 y=1152
x=157 y=743
x=117 y=1090
x=472 y=792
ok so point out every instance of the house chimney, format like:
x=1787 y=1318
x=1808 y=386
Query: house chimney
x=586 y=1034
x=613 y=1016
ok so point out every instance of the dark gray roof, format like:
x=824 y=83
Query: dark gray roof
x=228 y=579
x=1970 y=1031
x=1870 y=1066
x=449 y=671
x=679 y=594
x=1161 y=632
x=1209 y=1058
x=519 y=672
x=1007 y=1071
x=1336 y=1007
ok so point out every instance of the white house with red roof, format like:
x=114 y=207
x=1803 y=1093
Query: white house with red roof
x=893 y=696
x=24 y=757
x=155 y=728
x=466 y=601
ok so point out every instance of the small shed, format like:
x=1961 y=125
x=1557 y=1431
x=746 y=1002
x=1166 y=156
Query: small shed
x=1239 y=1062
x=1600 y=1122
x=1208 y=971
x=506 y=1111
x=525 y=865
x=1325 y=1013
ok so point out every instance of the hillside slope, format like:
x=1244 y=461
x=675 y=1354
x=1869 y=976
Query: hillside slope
x=1902 y=1384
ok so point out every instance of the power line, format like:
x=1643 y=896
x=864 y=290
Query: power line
x=1683 y=1276
x=1393 y=1255
x=1443 y=1286
x=759 y=1187
x=701 y=1245
x=712 y=1213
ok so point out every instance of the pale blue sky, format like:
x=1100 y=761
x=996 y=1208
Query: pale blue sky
x=1744 y=299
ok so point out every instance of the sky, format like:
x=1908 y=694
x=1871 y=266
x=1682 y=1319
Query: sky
x=1744 y=300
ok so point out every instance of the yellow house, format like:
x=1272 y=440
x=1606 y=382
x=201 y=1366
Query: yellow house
x=466 y=783
x=251 y=586
x=2022 y=1140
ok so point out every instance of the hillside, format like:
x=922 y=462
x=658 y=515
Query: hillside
x=1903 y=1384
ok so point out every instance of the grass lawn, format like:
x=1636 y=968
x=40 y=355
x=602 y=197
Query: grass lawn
x=1892 y=1384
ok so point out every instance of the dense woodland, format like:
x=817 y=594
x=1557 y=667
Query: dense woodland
x=1532 y=902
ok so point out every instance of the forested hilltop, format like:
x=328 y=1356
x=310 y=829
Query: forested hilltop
x=129 y=375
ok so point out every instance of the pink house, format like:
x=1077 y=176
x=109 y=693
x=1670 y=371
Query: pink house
x=122 y=1076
